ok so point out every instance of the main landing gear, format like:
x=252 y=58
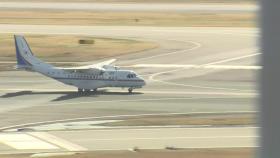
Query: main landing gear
x=130 y=90
x=80 y=90
x=86 y=91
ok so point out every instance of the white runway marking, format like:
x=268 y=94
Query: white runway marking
x=232 y=59
x=226 y=67
x=58 y=141
x=152 y=78
x=22 y=141
x=208 y=65
x=196 y=46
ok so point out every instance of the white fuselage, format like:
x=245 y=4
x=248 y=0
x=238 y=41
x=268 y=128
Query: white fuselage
x=91 y=80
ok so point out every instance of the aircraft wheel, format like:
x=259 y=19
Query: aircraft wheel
x=130 y=90
x=87 y=90
x=80 y=90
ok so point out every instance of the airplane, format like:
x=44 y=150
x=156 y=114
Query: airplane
x=85 y=78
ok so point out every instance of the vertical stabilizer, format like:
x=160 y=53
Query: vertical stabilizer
x=23 y=52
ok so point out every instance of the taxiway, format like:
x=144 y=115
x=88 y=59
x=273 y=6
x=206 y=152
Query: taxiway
x=29 y=97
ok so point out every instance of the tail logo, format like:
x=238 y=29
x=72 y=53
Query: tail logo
x=21 y=47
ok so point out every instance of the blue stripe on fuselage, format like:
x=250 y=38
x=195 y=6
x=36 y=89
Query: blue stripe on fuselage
x=64 y=78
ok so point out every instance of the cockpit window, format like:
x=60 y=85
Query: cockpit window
x=131 y=76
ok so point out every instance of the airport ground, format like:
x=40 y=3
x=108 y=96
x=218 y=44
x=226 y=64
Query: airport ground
x=201 y=153
x=176 y=98
x=189 y=91
x=163 y=19
x=146 y=1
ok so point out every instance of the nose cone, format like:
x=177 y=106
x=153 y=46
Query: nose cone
x=143 y=82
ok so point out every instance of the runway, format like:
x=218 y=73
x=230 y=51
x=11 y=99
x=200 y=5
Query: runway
x=132 y=7
x=30 y=97
x=127 y=139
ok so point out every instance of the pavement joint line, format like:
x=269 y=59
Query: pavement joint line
x=23 y=141
x=57 y=141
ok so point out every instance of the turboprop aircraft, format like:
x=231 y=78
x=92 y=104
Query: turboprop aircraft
x=85 y=78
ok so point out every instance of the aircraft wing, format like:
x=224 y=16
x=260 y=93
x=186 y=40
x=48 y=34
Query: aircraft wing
x=105 y=63
x=99 y=67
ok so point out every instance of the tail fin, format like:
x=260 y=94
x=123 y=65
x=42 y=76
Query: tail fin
x=23 y=52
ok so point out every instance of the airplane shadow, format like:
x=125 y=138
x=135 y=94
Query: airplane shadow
x=66 y=95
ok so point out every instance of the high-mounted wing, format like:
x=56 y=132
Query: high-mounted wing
x=105 y=63
x=84 y=70
x=98 y=68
